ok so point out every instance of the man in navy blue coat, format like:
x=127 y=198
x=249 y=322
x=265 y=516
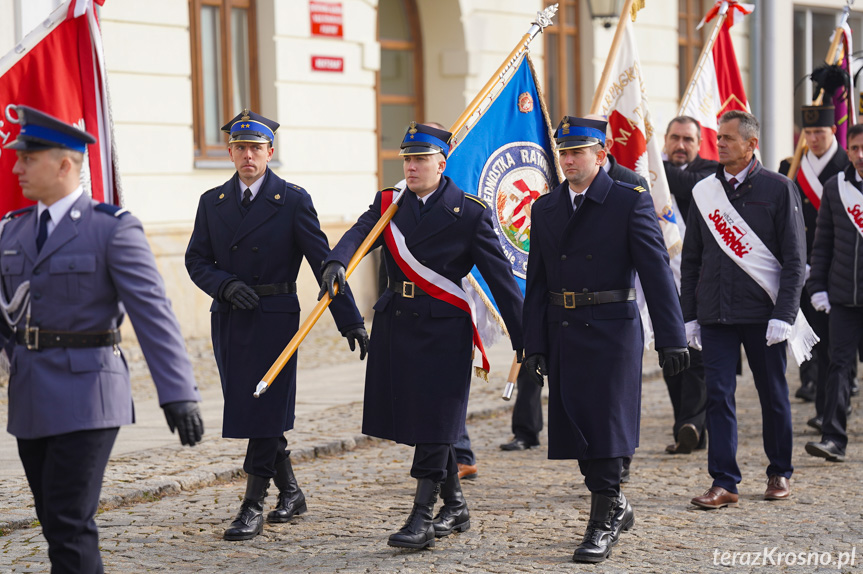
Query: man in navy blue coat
x=419 y=370
x=589 y=237
x=250 y=237
x=85 y=265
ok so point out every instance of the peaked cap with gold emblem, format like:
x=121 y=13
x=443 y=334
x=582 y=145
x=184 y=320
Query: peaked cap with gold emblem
x=421 y=139
x=250 y=127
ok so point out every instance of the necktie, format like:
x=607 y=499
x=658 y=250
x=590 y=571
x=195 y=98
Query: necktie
x=579 y=197
x=247 y=197
x=43 y=229
x=733 y=182
x=424 y=207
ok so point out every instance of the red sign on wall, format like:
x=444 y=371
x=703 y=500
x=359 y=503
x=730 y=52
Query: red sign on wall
x=326 y=18
x=328 y=64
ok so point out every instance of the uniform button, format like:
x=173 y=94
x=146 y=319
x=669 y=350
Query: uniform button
x=584 y=290
x=254 y=249
x=423 y=261
x=565 y=324
x=234 y=248
x=587 y=324
x=563 y=257
x=37 y=295
x=36 y=271
x=806 y=228
x=416 y=314
x=589 y=257
x=805 y=200
x=71 y=266
x=398 y=313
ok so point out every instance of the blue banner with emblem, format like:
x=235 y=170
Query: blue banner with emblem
x=507 y=160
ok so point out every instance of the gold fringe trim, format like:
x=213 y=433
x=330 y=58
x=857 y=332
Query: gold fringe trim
x=481 y=373
x=487 y=302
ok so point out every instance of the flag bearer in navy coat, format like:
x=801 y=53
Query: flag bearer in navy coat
x=589 y=237
x=250 y=236
x=419 y=370
x=85 y=265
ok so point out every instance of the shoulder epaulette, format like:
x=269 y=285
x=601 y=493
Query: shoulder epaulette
x=638 y=188
x=294 y=186
x=17 y=212
x=114 y=210
x=476 y=199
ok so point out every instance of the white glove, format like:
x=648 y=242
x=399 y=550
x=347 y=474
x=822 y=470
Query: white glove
x=693 y=335
x=777 y=331
x=820 y=301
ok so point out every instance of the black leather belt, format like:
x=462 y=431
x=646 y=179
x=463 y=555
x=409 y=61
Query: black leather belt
x=408 y=289
x=275 y=289
x=34 y=339
x=571 y=300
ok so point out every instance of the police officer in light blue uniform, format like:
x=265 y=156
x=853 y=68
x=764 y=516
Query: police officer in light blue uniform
x=250 y=237
x=71 y=268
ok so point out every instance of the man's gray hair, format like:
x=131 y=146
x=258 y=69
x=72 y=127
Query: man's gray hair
x=748 y=126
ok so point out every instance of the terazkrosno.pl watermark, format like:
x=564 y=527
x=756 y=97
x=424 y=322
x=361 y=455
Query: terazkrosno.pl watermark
x=773 y=556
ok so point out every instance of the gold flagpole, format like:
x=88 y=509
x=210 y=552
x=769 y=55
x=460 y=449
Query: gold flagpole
x=830 y=60
x=543 y=20
x=625 y=12
x=702 y=59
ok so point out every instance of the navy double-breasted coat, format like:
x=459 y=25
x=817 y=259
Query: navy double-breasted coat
x=419 y=364
x=595 y=352
x=94 y=268
x=261 y=245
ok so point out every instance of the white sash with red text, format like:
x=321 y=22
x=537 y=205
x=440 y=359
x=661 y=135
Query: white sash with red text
x=431 y=281
x=745 y=248
x=809 y=182
x=852 y=201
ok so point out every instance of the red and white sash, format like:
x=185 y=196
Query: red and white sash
x=809 y=182
x=745 y=248
x=430 y=280
x=852 y=201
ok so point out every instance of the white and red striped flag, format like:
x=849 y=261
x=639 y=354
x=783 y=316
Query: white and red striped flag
x=719 y=86
x=59 y=69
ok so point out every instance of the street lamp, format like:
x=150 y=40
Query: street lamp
x=606 y=10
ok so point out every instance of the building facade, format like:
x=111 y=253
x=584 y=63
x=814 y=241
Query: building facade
x=345 y=77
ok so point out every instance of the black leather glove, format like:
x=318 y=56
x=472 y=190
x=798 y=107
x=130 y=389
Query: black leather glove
x=359 y=337
x=240 y=295
x=673 y=360
x=332 y=275
x=185 y=416
x=519 y=355
x=534 y=367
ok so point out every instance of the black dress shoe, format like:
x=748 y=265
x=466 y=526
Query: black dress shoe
x=517 y=444
x=826 y=449
x=816 y=422
x=806 y=392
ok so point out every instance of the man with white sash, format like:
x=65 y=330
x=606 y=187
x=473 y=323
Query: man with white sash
x=823 y=160
x=741 y=276
x=424 y=333
x=836 y=284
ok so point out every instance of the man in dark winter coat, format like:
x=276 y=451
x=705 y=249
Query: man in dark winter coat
x=741 y=276
x=249 y=240
x=822 y=161
x=423 y=336
x=589 y=237
x=836 y=284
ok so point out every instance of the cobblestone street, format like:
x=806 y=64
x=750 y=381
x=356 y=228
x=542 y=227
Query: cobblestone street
x=527 y=513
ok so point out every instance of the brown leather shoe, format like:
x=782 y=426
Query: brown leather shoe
x=715 y=497
x=777 y=488
x=466 y=471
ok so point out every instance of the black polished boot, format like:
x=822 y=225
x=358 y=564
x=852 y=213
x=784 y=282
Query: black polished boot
x=292 y=501
x=623 y=518
x=249 y=522
x=418 y=531
x=453 y=515
x=597 y=542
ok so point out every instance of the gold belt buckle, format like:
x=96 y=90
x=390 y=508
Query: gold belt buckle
x=408 y=293
x=569 y=300
x=34 y=346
